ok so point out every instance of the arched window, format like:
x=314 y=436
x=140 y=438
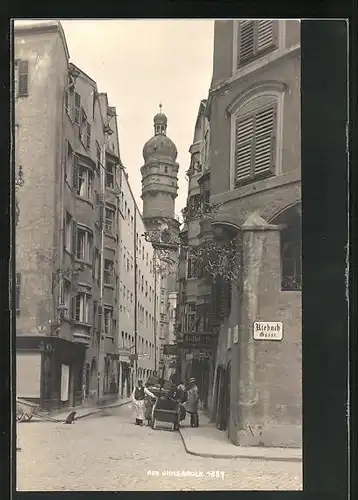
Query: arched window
x=256 y=134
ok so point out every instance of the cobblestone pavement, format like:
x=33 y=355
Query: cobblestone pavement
x=110 y=453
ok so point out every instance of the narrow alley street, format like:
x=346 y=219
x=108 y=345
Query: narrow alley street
x=107 y=452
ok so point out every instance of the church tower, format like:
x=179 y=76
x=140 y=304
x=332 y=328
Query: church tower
x=159 y=190
x=159 y=176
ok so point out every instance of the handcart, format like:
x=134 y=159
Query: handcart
x=166 y=410
x=25 y=410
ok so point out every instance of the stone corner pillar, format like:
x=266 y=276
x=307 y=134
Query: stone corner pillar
x=261 y=281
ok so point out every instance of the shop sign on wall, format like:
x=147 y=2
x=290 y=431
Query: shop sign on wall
x=268 y=330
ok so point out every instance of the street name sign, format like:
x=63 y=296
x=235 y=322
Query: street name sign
x=268 y=330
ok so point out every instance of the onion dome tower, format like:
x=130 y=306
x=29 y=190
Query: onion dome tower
x=160 y=181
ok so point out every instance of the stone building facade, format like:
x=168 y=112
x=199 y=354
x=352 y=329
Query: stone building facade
x=254 y=180
x=137 y=294
x=66 y=238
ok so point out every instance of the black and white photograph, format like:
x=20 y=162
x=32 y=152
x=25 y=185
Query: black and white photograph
x=158 y=254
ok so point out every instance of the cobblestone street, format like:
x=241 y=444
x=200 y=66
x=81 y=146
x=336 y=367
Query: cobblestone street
x=108 y=452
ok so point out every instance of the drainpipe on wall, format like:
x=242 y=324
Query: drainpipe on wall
x=155 y=308
x=135 y=297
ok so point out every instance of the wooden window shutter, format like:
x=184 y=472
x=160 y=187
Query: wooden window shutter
x=74 y=238
x=265 y=140
x=246 y=41
x=23 y=78
x=244 y=149
x=77 y=110
x=67 y=100
x=266 y=35
x=75 y=171
x=101 y=208
x=88 y=135
x=73 y=308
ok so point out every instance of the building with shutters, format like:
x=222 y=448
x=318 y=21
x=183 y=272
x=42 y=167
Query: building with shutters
x=251 y=121
x=67 y=233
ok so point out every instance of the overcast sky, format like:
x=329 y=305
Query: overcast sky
x=140 y=63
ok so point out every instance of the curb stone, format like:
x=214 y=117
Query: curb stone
x=253 y=457
x=80 y=417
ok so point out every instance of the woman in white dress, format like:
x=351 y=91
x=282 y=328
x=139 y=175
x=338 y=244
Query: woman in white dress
x=138 y=397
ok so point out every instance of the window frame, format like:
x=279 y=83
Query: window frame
x=87 y=179
x=87 y=253
x=108 y=322
x=249 y=102
x=110 y=174
x=108 y=273
x=111 y=219
x=84 y=305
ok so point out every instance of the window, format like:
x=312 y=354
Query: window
x=84 y=245
x=132 y=221
x=190 y=316
x=108 y=321
x=255 y=38
x=84 y=182
x=88 y=136
x=76 y=108
x=97 y=265
x=146 y=288
x=69 y=161
x=18 y=291
x=108 y=271
x=206 y=147
x=125 y=209
x=66 y=298
x=81 y=304
x=109 y=220
x=192 y=267
x=68 y=232
x=110 y=171
x=146 y=319
x=21 y=74
x=255 y=145
x=162 y=317
x=166 y=170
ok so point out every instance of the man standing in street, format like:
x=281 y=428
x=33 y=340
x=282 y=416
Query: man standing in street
x=193 y=402
x=138 y=396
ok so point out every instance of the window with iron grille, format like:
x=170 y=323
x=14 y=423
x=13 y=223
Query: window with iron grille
x=108 y=271
x=255 y=146
x=110 y=175
x=256 y=38
x=17 y=293
x=109 y=220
